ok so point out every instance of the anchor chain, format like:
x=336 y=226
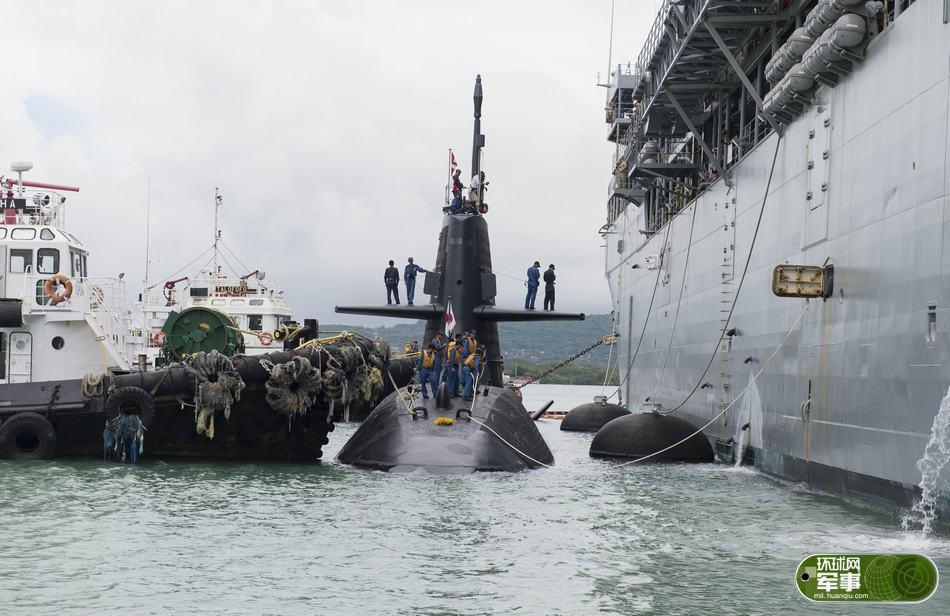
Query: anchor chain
x=608 y=339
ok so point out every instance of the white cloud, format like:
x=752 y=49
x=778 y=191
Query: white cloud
x=326 y=126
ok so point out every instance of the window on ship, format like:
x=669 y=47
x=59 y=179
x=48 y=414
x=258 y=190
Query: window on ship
x=21 y=261
x=47 y=260
x=78 y=264
x=255 y=322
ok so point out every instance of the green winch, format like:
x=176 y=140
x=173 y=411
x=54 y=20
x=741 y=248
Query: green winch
x=199 y=329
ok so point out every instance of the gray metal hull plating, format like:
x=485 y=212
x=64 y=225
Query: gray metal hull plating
x=872 y=360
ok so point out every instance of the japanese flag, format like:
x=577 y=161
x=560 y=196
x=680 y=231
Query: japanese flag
x=449 y=319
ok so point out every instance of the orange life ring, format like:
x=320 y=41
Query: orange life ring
x=483 y=208
x=59 y=279
x=265 y=340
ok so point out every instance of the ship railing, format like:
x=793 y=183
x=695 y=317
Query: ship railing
x=619 y=183
x=644 y=150
x=102 y=297
x=32 y=207
x=104 y=294
x=154 y=297
x=657 y=32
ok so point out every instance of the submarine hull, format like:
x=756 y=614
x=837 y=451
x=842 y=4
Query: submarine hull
x=407 y=434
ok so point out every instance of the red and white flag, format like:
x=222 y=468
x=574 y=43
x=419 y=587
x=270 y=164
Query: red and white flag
x=449 y=319
x=454 y=165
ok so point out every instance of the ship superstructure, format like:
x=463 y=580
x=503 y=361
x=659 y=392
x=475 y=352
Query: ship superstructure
x=57 y=320
x=757 y=134
x=257 y=309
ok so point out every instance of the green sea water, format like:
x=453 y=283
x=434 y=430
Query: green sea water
x=584 y=537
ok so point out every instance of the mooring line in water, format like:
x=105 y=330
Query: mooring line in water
x=484 y=425
x=513 y=448
x=736 y=399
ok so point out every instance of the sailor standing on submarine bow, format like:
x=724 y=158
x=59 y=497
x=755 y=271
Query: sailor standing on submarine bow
x=391 y=278
x=409 y=276
x=534 y=281
x=549 y=278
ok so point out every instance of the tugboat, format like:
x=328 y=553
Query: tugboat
x=258 y=312
x=75 y=379
x=56 y=321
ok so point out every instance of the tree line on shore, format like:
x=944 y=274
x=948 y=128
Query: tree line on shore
x=528 y=349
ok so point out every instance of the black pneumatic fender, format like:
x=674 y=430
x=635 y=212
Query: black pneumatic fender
x=27 y=436
x=131 y=400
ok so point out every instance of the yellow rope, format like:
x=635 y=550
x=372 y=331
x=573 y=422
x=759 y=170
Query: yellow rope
x=102 y=353
x=399 y=395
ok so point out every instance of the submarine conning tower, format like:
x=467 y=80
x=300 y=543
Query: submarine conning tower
x=462 y=280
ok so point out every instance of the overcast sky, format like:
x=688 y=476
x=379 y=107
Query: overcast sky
x=326 y=126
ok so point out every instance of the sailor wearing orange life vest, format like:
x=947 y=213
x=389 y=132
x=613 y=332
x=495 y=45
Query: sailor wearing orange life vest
x=470 y=368
x=428 y=374
x=453 y=358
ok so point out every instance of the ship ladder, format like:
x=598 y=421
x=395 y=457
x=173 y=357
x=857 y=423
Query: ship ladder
x=727 y=296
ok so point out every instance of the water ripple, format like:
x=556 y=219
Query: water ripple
x=583 y=537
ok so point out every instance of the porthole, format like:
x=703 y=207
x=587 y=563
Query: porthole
x=58 y=342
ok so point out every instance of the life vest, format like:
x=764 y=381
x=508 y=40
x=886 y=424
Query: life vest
x=452 y=353
x=428 y=358
x=472 y=344
x=470 y=360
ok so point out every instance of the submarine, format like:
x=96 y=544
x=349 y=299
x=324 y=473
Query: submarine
x=445 y=435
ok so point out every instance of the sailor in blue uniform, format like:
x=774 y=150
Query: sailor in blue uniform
x=427 y=371
x=457 y=192
x=453 y=358
x=409 y=276
x=469 y=370
x=391 y=278
x=439 y=345
x=534 y=281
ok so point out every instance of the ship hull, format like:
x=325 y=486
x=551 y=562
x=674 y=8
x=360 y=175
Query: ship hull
x=847 y=403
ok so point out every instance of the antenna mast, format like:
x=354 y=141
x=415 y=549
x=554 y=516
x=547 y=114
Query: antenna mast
x=478 y=139
x=217 y=232
x=148 y=223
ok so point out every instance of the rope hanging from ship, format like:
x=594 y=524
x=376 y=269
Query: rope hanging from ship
x=734 y=401
x=656 y=284
x=735 y=299
x=292 y=386
x=679 y=301
x=129 y=412
x=217 y=386
x=732 y=307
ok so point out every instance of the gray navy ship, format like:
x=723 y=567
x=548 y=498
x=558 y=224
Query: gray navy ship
x=777 y=233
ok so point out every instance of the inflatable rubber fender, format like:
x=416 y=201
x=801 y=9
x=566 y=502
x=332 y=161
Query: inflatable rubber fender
x=131 y=400
x=27 y=436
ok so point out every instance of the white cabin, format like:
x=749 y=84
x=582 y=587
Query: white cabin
x=257 y=309
x=42 y=339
